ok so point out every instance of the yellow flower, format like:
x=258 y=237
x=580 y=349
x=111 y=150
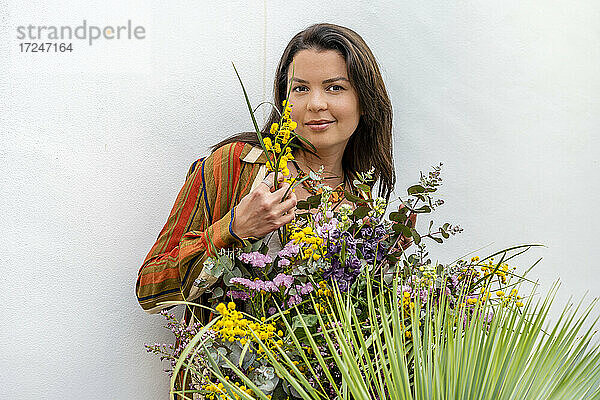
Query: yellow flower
x=274 y=128
x=221 y=308
x=267 y=142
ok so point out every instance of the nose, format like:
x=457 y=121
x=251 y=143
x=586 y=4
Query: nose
x=316 y=101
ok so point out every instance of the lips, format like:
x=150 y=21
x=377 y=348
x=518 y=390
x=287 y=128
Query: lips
x=319 y=125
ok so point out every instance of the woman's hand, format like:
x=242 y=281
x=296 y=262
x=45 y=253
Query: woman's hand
x=261 y=211
x=402 y=240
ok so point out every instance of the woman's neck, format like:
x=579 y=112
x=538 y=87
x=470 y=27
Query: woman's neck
x=332 y=163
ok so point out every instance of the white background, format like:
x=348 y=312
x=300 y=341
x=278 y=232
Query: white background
x=96 y=145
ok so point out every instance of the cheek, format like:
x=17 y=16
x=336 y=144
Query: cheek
x=296 y=114
x=350 y=113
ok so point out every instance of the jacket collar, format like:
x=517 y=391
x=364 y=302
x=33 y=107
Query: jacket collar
x=252 y=154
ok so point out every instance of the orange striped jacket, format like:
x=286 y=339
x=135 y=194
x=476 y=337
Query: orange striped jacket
x=201 y=217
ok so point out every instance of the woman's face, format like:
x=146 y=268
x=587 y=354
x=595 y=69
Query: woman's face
x=324 y=104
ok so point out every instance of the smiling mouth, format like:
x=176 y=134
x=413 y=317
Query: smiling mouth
x=320 y=125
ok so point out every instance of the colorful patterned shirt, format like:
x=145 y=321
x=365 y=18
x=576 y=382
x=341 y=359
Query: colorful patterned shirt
x=199 y=224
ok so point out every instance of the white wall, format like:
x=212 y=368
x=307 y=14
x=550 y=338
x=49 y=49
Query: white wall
x=96 y=144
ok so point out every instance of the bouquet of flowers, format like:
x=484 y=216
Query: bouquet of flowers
x=329 y=251
x=280 y=326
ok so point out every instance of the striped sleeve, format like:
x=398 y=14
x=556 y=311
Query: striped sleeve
x=198 y=225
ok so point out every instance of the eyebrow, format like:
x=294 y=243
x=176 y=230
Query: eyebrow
x=338 y=78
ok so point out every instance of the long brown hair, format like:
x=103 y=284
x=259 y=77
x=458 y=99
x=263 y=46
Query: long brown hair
x=371 y=143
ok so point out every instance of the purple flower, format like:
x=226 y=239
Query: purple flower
x=256 y=259
x=238 y=294
x=305 y=288
x=380 y=231
x=352 y=262
x=294 y=299
x=247 y=283
x=284 y=262
x=283 y=280
x=424 y=294
x=256 y=285
x=290 y=250
x=367 y=231
x=328 y=227
x=268 y=286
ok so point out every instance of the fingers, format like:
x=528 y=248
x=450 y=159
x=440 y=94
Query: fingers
x=288 y=218
x=282 y=188
x=288 y=205
x=267 y=183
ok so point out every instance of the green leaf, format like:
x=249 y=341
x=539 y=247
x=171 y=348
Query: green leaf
x=227 y=275
x=225 y=261
x=303 y=205
x=217 y=269
x=361 y=212
x=392 y=259
x=314 y=200
x=310 y=320
x=355 y=199
x=216 y=293
x=306 y=141
x=423 y=209
x=398 y=216
x=415 y=235
x=364 y=187
x=403 y=229
x=415 y=189
x=305 y=216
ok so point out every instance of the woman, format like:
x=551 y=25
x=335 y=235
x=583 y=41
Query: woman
x=340 y=105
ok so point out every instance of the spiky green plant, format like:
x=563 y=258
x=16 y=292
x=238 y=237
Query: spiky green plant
x=451 y=354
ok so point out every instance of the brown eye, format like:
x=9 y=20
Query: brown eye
x=336 y=88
